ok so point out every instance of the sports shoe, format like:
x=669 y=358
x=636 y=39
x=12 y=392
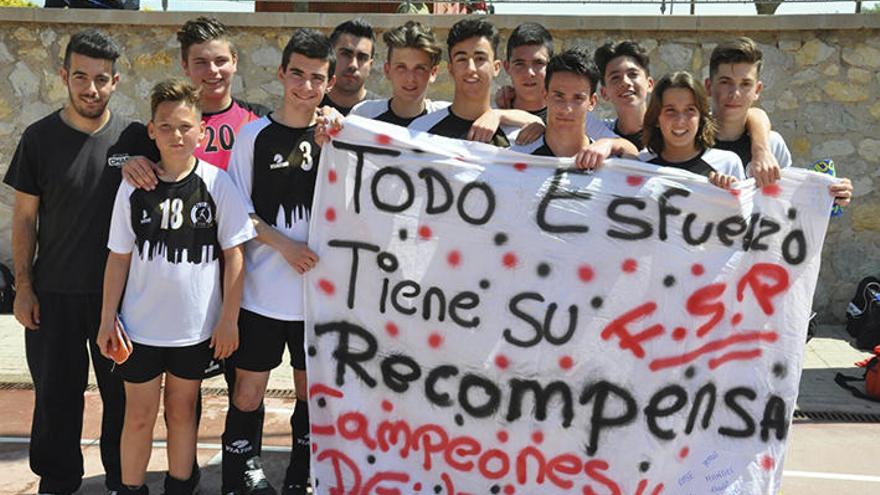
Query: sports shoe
x=292 y=489
x=255 y=482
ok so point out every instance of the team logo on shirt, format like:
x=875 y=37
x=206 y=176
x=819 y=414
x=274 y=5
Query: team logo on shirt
x=117 y=160
x=145 y=217
x=201 y=215
x=278 y=161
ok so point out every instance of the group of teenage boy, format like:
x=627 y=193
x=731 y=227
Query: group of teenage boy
x=205 y=211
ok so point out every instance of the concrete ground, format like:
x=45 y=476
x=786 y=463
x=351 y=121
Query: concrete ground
x=830 y=456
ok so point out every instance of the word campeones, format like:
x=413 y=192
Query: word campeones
x=632 y=218
x=609 y=405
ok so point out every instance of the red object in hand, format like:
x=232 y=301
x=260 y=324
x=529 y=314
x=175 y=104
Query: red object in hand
x=123 y=344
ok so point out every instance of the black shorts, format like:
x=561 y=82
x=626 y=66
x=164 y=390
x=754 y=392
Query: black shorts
x=193 y=362
x=261 y=342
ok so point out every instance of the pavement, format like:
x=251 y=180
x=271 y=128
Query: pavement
x=825 y=443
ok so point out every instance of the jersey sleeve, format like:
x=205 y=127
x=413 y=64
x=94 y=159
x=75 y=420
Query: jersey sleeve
x=597 y=129
x=23 y=173
x=780 y=150
x=234 y=225
x=361 y=110
x=122 y=236
x=733 y=166
x=241 y=166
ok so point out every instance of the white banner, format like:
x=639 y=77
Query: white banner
x=486 y=322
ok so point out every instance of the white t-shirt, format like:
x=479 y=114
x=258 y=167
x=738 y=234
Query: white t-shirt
x=176 y=234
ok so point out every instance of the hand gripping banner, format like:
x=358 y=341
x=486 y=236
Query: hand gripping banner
x=486 y=322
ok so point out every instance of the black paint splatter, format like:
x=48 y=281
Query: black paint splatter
x=543 y=269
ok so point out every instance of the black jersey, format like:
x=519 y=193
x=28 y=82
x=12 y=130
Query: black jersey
x=76 y=176
x=275 y=168
x=635 y=138
x=743 y=149
x=327 y=102
x=445 y=123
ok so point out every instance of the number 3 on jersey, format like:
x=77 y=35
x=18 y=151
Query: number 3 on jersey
x=172 y=213
x=305 y=149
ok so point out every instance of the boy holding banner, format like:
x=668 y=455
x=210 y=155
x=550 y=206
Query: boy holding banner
x=627 y=84
x=473 y=45
x=274 y=164
x=734 y=85
x=571 y=83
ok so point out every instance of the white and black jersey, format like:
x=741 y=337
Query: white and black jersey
x=275 y=168
x=743 y=149
x=537 y=147
x=710 y=160
x=175 y=234
x=381 y=110
x=445 y=123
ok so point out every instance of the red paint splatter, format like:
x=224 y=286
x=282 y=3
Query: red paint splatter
x=330 y=215
x=634 y=180
x=715 y=345
x=417 y=487
x=331 y=176
x=387 y=406
x=502 y=436
x=538 y=437
x=585 y=273
x=425 y=232
x=435 y=340
x=734 y=356
x=697 y=269
x=326 y=286
x=629 y=265
x=679 y=333
x=509 y=260
x=520 y=166
x=501 y=361
x=320 y=388
x=772 y=190
x=383 y=139
x=684 y=452
x=566 y=362
x=767 y=463
x=509 y=489
x=392 y=329
x=737 y=318
x=454 y=258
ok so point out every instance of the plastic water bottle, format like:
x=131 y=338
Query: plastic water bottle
x=826 y=166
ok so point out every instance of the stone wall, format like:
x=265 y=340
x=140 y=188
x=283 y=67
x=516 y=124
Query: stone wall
x=820 y=75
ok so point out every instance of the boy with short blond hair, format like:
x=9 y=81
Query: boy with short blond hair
x=165 y=248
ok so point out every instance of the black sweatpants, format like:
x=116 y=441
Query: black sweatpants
x=58 y=360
